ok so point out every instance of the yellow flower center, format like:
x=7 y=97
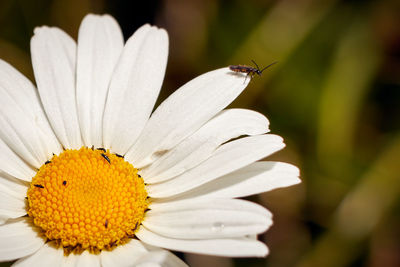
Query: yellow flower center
x=87 y=199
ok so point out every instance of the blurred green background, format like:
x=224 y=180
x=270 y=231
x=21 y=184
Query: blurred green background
x=334 y=96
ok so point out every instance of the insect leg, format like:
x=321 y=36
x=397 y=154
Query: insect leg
x=246 y=78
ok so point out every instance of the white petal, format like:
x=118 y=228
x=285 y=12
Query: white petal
x=228 y=124
x=70 y=261
x=256 y=178
x=124 y=255
x=190 y=204
x=88 y=259
x=212 y=223
x=12 y=164
x=222 y=218
x=18 y=239
x=17 y=186
x=12 y=198
x=160 y=258
x=46 y=256
x=54 y=64
x=226 y=159
x=219 y=247
x=23 y=125
x=183 y=112
x=134 y=87
x=100 y=43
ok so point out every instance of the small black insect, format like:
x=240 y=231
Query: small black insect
x=119 y=156
x=106 y=158
x=64 y=182
x=102 y=149
x=106 y=224
x=139 y=176
x=47 y=162
x=251 y=71
x=39 y=185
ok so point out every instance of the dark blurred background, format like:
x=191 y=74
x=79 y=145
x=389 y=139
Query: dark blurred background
x=334 y=96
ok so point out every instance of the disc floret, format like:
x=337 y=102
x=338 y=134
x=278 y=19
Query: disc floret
x=87 y=199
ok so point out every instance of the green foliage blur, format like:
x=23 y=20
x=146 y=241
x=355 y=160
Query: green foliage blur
x=334 y=95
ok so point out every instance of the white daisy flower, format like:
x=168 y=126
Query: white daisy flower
x=89 y=176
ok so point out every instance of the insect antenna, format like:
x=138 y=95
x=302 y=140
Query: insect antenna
x=255 y=64
x=268 y=66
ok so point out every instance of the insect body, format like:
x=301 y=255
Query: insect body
x=39 y=185
x=251 y=71
x=106 y=158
